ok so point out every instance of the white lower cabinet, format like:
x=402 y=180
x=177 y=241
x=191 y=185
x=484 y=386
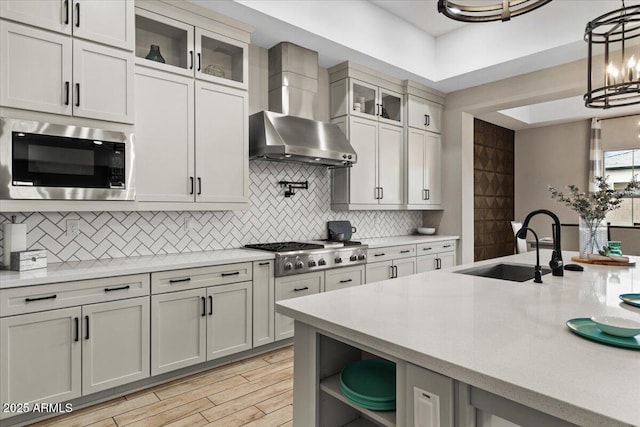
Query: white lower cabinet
x=436 y=256
x=340 y=278
x=40 y=357
x=200 y=314
x=263 y=303
x=390 y=262
x=291 y=287
x=63 y=353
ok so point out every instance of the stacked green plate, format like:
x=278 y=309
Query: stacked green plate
x=370 y=383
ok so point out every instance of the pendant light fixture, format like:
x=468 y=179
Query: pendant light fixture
x=613 y=80
x=487 y=11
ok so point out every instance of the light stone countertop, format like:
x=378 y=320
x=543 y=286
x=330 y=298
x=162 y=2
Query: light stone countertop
x=504 y=337
x=83 y=270
x=381 y=242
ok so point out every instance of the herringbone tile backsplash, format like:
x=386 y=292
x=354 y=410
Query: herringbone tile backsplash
x=271 y=218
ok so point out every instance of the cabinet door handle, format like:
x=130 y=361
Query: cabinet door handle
x=428 y=120
x=76 y=322
x=210 y=305
x=381 y=193
x=191 y=182
x=66 y=12
x=235 y=273
x=426 y=249
x=77 y=94
x=346 y=281
x=204 y=306
x=376 y=193
x=191 y=60
x=86 y=332
x=300 y=289
x=199 y=61
x=40 y=298
x=438 y=263
x=382 y=254
x=428 y=194
x=120 y=288
x=77 y=14
x=199 y=186
x=405 y=251
x=264 y=263
x=424 y=197
x=66 y=93
x=186 y=279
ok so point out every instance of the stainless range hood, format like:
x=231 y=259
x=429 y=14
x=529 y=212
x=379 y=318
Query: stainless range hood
x=289 y=131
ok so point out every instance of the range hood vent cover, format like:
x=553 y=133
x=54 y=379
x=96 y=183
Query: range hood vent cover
x=280 y=137
x=289 y=131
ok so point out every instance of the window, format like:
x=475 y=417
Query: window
x=619 y=167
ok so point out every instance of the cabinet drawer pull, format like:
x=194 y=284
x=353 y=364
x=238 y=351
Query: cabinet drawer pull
x=405 y=251
x=86 y=333
x=382 y=254
x=264 y=263
x=446 y=246
x=40 y=298
x=78 y=14
x=426 y=249
x=119 y=288
x=235 y=273
x=186 y=279
x=210 y=305
x=346 y=281
x=66 y=93
x=76 y=322
x=204 y=306
x=300 y=289
x=77 y=94
x=66 y=12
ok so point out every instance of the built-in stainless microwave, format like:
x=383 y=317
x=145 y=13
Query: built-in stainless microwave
x=49 y=161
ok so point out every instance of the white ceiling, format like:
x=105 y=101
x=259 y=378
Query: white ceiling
x=409 y=39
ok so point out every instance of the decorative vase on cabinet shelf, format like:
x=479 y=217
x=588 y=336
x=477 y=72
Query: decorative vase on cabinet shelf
x=154 y=54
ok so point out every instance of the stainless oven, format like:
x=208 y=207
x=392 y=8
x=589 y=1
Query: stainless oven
x=49 y=161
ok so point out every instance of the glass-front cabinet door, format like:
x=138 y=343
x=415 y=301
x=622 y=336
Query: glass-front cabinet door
x=221 y=59
x=364 y=99
x=164 y=43
x=390 y=107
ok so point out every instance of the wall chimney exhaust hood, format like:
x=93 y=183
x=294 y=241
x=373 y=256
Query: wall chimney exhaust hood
x=289 y=132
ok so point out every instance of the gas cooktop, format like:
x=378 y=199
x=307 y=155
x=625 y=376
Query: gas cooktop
x=304 y=257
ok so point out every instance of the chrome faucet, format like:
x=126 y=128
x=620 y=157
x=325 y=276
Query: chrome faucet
x=556 y=257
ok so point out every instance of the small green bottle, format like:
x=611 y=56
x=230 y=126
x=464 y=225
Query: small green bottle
x=154 y=54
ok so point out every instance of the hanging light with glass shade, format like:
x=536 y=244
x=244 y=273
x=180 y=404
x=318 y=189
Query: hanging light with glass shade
x=487 y=11
x=613 y=67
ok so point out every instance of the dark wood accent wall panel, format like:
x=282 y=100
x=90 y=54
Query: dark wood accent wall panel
x=493 y=190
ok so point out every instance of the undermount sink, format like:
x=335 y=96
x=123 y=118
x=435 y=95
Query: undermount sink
x=502 y=271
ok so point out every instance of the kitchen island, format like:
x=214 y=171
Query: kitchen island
x=485 y=346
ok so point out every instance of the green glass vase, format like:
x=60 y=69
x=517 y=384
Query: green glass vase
x=154 y=54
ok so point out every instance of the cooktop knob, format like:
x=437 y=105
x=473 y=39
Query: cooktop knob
x=288 y=266
x=361 y=257
x=353 y=258
x=321 y=261
x=299 y=264
x=312 y=263
x=338 y=260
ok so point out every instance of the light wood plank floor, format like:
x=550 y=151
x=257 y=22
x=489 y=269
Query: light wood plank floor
x=253 y=392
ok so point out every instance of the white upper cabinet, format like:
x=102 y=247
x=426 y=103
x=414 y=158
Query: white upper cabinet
x=424 y=170
x=423 y=114
x=177 y=47
x=357 y=98
x=107 y=22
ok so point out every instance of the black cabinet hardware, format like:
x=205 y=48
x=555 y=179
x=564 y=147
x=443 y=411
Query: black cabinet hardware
x=199 y=186
x=346 y=281
x=66 y=93
x=264 y=263
x=300 y=289
x=235 y=273
x=394 y=271
x=428 y=194
x=78 y=14
x=199 y=61
x=438 y=263
x=204 y=306
x=405 y=251
x=210 y=305
x=427 y=120
x=86 y=332
x=119 y=288
x=186 y=279
x=76 y=322
x=191 y=181
x=426 y=249
x=66 y=12
x=381 y=193
x=40 y=298
x=382 y=254
x=446 y=246
x=191 y=60
x=77 y=94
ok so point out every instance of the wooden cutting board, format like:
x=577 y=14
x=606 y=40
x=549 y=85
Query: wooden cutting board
x=599 y=262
